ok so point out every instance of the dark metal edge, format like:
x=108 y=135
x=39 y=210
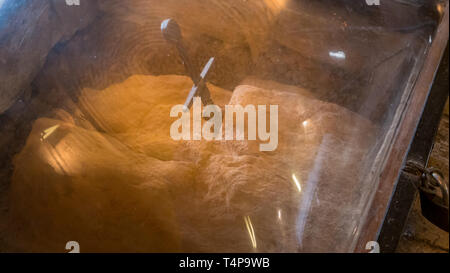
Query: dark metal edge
x=420 y=150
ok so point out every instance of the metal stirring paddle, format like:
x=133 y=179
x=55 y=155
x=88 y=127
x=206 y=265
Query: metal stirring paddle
x=172 y=33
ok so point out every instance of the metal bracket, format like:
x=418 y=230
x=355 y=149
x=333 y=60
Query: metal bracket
x=434 y=195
